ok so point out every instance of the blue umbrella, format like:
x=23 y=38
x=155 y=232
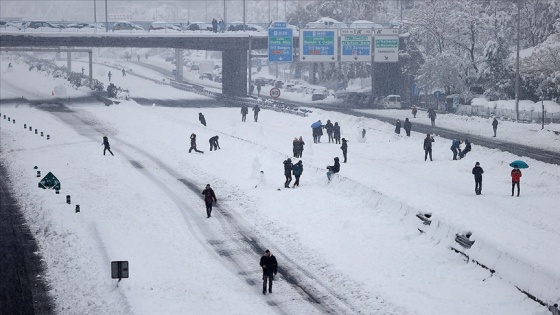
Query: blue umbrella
x=519 y=164
x=316 y=124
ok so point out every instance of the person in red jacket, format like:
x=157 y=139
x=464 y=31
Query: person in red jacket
x=515 y=179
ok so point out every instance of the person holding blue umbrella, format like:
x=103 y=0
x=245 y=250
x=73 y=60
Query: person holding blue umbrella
x=515 y=179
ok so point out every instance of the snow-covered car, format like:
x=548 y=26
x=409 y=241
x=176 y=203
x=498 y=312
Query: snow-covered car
x=238 y=26
x=164 y=26
x=6 y=25
x=326 y=22
x=199 y=26
x=42 y=25
x=126 y=26
x=207 y=76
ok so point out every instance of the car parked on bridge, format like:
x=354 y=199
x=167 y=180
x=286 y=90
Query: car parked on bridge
x=126 y=26
x=164 y=27
x=207 y=76
x=9 y=26
x=199 y=26
x=42 y=25
x=238 y=26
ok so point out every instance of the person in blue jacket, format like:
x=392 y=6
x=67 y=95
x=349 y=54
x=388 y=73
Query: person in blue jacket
x=455 y=147
x=297 y=169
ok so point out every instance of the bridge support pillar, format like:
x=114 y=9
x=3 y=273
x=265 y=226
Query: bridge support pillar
x=90 y=69
x=178 y=65
x=234 y=72
x=68 y=62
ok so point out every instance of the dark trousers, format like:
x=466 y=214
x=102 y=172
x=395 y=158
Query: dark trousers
x=109 y=149
x=344 y=155
x=433 y=122
x=256 y=117
x=495 y=131
x=426 y=152
x=267 y=278
x=194 y=148
x=330 y=137
x=478 y=186
x=214 y=145
x=455 y=152
x=208 y=209
x=513 y=184
x=243 y=117
x=288 y=180
x=337 y=140
x=296 y=183
x=407 y=132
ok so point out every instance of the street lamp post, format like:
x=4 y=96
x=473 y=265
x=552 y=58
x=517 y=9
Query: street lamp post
x=517 y=63
x=106 y=18
x=542 y=104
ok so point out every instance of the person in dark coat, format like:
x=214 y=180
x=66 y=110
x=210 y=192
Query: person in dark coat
x=317 y=131
x=244 y=112
x=201 y=119
x=193 y=144
x=214 y=143
x=398 y=127
x=432 y=115
x=428 y=146
x=106 y=144
x=297 y=169
x=363 y=133
x=515 y=180
x=269 y=267
x=251 y=89
x=494 y=125
x=414 y=110
x=288 y=172
x=209 y=198
x=455 y=147
x=214 y=25
x=330 y=129
x=477 y=171
x=109 y=75
x=466 y=150
x=295 y=147
x=333 y=169
x=259 y=90
x=256 y=110
x=123 y=72
x=300 y=147
x=344 y=149
x=336 y=133
x=407 y=126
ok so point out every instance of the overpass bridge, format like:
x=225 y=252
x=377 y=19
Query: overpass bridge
x=234 y=48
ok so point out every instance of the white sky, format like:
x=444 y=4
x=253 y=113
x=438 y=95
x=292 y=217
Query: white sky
x=353 y=242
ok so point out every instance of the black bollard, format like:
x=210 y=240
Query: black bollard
x=14 y=121
x=24 y=126
x=8 y=118
x=35 y=131
x=77 y=208
x=41 y=133
x=30 y=128
x=68 y=199
x=38 y=173
x=4 y=116
x=48 y=137
x=57 y=191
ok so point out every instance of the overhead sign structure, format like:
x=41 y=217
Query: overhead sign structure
x=386 y=48
x=354 y=47
x=50 y=182
x=318 y=45
x=280 y=44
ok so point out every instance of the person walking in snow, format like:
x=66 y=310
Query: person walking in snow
x=515 y=180
x=432 y=115
x=414 y=110
x=202 y=119
x=455 y=147
x=244 y=112
x=256 y=110
x=315 y=131
x=288 y=172
x=466 y=150
x=297 y=169
x=477 y=171
x=109 y=75
x=193 y=144
x=428 y=146
x=259 y=90
x=123 y=72
x=407 y=127
x=301 y=143
x=333 y=169
x=398 y=127
x=336 y=133
x=295 y=147
x=214 y=143
x=330 y=129
x=106 y=144
x=269 y=267
x=209 y=199
x=83 y=70
x=344 y=149
x=495 y=125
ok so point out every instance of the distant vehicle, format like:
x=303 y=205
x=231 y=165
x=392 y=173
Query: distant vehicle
x=238 y=26
x=195 y=67
x=164 y=26
x=41 y=24
x=278 y=84
x=260 y=81
x=126 y=26
x=326 y=22
x=206 y=75
x=199 y=26
x=85 y=26
x=7 y=25
x=218 y=78
x=391 y=101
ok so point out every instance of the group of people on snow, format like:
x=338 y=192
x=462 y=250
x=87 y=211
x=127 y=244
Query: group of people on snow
x=298 y=147
x=333 y=131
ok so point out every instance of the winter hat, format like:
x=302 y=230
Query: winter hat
x=336 y=159
x=477 y=164
x=343 y=139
